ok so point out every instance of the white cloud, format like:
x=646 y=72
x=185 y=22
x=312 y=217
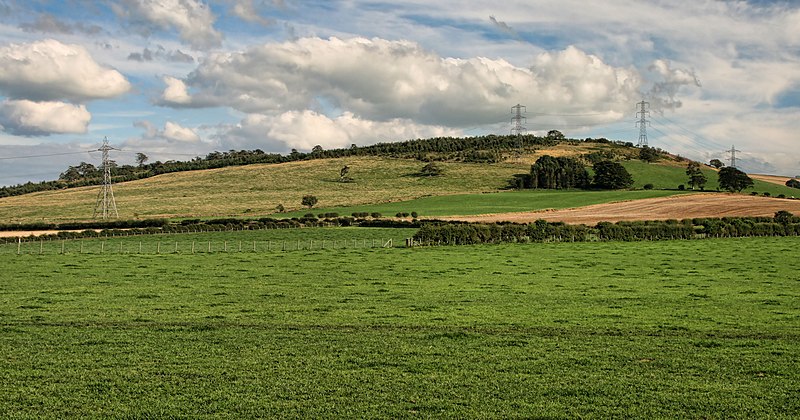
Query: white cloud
x=303 y=130
x=176 y=93
x=246 y=10
x=28 y=118
x=382 y=80
x=193 y=19
x=49 y=70
x=173 y=131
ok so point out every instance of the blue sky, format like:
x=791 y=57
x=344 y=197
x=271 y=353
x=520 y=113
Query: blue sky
x=180 y=78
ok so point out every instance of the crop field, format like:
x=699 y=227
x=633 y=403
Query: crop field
x=498 y=202
x=706 y=328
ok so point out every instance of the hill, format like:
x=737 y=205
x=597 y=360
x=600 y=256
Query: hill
x=379 y=184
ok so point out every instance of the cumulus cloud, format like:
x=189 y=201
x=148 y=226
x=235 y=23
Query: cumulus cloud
x=28 y=118
x=176 y=93
x=172 y=132
x=48 y=23
x=191 y=18
x=305 y=129
x=382 y=80
x=663 y=93
x=49 y=70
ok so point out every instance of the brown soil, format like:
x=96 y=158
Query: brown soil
x=26 y=233
x=674 y=207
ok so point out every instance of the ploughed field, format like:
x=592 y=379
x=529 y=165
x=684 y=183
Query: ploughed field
x=705 y=328
x=686 y=206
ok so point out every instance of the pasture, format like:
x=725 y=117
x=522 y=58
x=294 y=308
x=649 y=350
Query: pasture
x=707 y=328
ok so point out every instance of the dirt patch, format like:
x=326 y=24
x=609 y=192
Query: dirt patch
x=26 y=233
x=674 y=207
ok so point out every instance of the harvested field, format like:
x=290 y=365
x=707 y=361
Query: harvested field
x=773 y=179
x=662 y=208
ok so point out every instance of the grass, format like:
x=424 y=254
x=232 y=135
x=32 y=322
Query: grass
x=256 y=190
x=499 y=202
x=381 y=185
x=650 y=329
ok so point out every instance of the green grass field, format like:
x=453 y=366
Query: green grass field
x=701 y=329
x=498 y=202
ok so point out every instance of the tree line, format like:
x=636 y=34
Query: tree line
x=782 y=224
x=565 y=173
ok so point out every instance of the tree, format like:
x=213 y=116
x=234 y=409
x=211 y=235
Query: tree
x=649 y=154
x=316 y=150
x=696 y=176
x=309 y=201
x=793 y=183
x=141 y=158
x=610 y=175
x=431 y=169
x=555 y=135
x=557 y=173
x=716 y=163
x=783 y=217
x=732 y=179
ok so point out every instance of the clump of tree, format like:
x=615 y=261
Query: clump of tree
x=732 y=179
x=609 y=175
x=558 y=173
x=344 y=174
x=649 y=154
x=309 y=201
x=696 y=176
x=716 y=163
x=793 y=183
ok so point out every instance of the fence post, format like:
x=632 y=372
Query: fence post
x=41 y=247
x=158 y=247
x=81 y=250
x=176 y=247
x=140 y=247
x=225 y=247
x=254 y=246
x=102 y=246
x=62 y=247
x=209 y=246
x=240 y=245
x=19 y=245
x=192 y=247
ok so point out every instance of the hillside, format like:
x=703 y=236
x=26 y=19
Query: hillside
x=380 y=184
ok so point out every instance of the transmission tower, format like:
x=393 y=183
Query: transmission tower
x=732 y=152
x=105 y=198
x=642 y=115
x=518 y=125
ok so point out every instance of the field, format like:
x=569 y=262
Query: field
x=707 y=328
x=686 y=206
x=383 y=185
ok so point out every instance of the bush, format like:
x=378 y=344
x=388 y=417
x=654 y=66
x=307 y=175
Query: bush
x=766 y=194
x=376 y=215
x=401 y=215
x=781 y=195
x=414 y=214
x=648 y=186
x=310 y=216
x=754 y=193
x=681 y=187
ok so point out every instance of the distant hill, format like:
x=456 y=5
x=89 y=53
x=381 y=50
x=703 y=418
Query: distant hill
x=256 y=190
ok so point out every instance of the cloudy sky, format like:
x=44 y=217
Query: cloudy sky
x=179 y=78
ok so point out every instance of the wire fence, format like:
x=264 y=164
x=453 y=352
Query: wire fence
x=111 y=246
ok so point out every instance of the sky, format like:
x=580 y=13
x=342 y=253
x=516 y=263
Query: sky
x=175 y=79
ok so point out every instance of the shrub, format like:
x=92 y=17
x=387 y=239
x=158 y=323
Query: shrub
x=781 y=195
x=766 y=194
x=401 y=215
x=376 y=215
x=414 y=214
x=648 y=186
x=310 y=216
x=754 y=193
x=681 y=187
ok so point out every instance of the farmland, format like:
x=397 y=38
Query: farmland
x=705 y=328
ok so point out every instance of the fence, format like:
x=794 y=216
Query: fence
x=128 y=246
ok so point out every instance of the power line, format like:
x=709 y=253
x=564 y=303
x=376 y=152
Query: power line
x=47 y=155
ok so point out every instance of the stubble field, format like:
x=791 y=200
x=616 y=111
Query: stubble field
x=707 y=328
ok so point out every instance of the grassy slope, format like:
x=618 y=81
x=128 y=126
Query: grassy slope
x=647 y=330
x=382 y=185
x=256 y=189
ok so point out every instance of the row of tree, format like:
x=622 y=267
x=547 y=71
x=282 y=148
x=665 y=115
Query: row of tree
x=783 y=224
